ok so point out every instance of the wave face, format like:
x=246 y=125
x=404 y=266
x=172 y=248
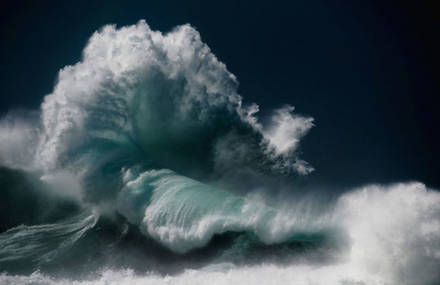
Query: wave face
x=145 y=166
x=183 y=214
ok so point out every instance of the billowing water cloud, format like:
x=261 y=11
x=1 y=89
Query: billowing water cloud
x=166 y=96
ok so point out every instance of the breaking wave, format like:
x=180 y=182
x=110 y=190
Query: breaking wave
x=158 y=172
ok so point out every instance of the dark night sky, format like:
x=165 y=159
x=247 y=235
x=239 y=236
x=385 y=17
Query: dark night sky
x=365 y=70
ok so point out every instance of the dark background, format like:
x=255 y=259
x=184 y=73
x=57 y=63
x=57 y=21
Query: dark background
x=365 y=70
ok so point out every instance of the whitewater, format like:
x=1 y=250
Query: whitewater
x=145 y=166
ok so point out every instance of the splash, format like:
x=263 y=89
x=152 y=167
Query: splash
x=166 y=97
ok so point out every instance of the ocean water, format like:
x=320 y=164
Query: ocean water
x=145 y=166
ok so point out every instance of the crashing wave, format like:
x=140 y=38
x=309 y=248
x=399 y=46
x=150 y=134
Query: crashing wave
x=150 y=126
x=140 y=98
